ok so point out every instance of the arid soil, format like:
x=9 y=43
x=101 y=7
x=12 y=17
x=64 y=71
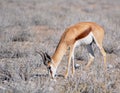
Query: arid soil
x=27 y=26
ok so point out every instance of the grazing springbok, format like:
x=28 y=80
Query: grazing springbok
x=82 y=33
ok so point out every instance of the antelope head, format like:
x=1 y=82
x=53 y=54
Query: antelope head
x=48 y=62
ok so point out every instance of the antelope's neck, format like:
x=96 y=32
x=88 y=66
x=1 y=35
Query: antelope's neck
x=59 y=53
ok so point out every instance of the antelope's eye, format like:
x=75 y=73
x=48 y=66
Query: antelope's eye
x=49 y=68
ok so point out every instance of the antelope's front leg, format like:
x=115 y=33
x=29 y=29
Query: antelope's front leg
x=69 y=62
x=73 y=66
x=67 y=71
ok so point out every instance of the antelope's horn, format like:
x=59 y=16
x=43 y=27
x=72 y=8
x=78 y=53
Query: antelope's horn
x=42 y=55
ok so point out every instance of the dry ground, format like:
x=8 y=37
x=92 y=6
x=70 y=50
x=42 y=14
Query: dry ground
x=30 y=25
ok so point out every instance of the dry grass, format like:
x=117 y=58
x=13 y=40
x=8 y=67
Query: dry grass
x=30 y=25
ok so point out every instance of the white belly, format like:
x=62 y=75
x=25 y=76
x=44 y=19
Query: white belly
x=84 y=41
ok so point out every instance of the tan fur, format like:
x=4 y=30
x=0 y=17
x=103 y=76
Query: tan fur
x=74 y=33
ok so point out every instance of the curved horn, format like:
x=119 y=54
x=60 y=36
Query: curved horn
x=45 y=57
x=42 y=55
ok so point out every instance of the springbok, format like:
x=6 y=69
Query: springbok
x=82 y=33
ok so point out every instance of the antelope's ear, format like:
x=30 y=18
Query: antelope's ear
x=48 y=58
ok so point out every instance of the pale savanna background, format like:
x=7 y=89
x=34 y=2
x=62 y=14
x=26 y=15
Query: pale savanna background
x=27 y=26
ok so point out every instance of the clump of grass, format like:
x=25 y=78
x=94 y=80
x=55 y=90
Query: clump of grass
x=5 y=74
x=21 y=37
x=10 y=53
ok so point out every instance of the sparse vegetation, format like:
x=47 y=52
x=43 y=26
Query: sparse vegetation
x=30 y=25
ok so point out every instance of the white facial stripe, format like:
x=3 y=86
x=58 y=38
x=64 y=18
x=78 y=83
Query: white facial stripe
x=53 y=71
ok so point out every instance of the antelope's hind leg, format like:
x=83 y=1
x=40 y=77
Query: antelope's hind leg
x=100 y=46
x=91 y=54
x=104 y=56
